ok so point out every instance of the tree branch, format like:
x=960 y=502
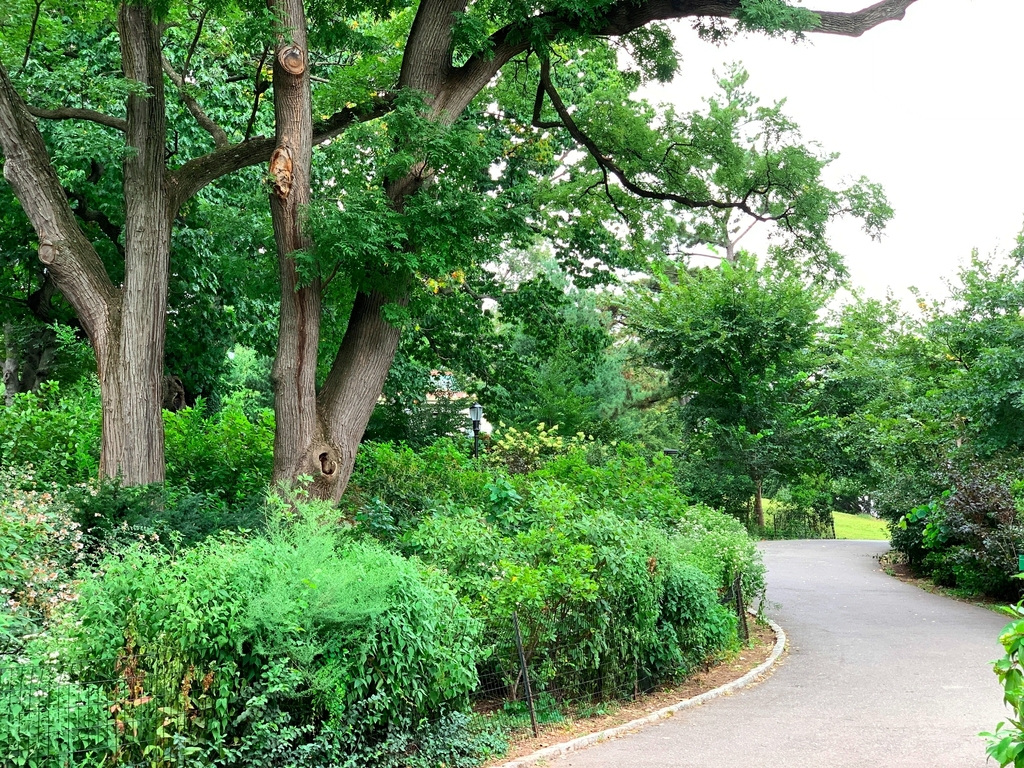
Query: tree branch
x=100 y=219
x=195 y=41
x=427 y=60
x=607 y=164
x=31 y=35
x=259 y=86
x=72 y=113
x=220 y=138
x=628 y=15
x=187 y=180
x=63 y=247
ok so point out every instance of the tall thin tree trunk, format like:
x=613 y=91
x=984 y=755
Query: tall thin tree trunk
x=758 y=504
x=300 y=443
x=12 y=364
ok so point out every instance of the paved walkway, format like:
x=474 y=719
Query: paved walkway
x=879 y=673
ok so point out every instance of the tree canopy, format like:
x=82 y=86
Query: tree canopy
x=451 y=131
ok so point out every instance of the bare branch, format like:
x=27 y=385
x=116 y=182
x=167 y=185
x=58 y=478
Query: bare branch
x=220 y=138
x=538 y=106
x=195 y=41
x=259 y=86
x=72 y=113
x=31 y=35
x=857 y=23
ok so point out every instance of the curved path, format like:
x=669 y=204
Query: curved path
x=878 y=674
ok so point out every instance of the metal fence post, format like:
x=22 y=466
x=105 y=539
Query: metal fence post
x=526 y=673
x=741 y=609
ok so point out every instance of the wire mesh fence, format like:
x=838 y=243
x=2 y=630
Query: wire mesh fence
x=799 y=524
x=542 y=669
x=545 y=671
x=136 y=709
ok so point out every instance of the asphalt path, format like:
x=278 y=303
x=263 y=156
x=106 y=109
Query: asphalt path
x=878 y=673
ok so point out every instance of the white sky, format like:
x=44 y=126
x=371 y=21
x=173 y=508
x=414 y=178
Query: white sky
x=930 y=107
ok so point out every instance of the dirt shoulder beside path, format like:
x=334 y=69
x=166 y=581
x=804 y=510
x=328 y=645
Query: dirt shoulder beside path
x=731 y=668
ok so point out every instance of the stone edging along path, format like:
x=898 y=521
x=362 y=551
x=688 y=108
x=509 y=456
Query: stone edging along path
x=751 y=677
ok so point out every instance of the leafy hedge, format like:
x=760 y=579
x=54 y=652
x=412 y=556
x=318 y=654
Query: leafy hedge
x=309 y=641
x=611 y=572
x=971 y=535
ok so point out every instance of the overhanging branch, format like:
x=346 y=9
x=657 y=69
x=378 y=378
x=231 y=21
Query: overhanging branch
x=628 y=15
x=608 y=165
x=187 y=180
x=72 y=113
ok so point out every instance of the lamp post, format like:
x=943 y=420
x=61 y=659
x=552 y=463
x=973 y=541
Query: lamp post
x=476 y=412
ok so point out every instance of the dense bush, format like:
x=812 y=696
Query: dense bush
x=193 y=623
x=970 y=536
x=228 y=454
x=299 y=640
x=612 y=575
x=57 y=433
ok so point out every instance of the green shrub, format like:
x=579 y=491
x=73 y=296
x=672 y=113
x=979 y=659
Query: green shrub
x=323 y=635
x=113 y=515
x=57 y=433
x=970 y=536
x=392 y=486
x=612 y=575
x=227 y=455
x=1006 y=743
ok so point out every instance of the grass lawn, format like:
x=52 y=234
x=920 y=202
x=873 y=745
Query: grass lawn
x=859 y=527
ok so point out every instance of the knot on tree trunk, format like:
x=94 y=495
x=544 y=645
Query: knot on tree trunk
x=292 y=59
x=281 y=170
x=323 y=464
x=47 y=251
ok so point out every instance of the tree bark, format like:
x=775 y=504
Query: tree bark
x=356 y=380
x=130 y=357
x=12 y=364
x=301 y=447
x=758 y=504
x=126 y=325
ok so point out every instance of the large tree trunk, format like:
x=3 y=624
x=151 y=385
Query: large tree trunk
x=130 y=356
x=320 y=439
x=356 y=380
x=126 y=325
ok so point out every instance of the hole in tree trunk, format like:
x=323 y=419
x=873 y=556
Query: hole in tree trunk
x=327 y=466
